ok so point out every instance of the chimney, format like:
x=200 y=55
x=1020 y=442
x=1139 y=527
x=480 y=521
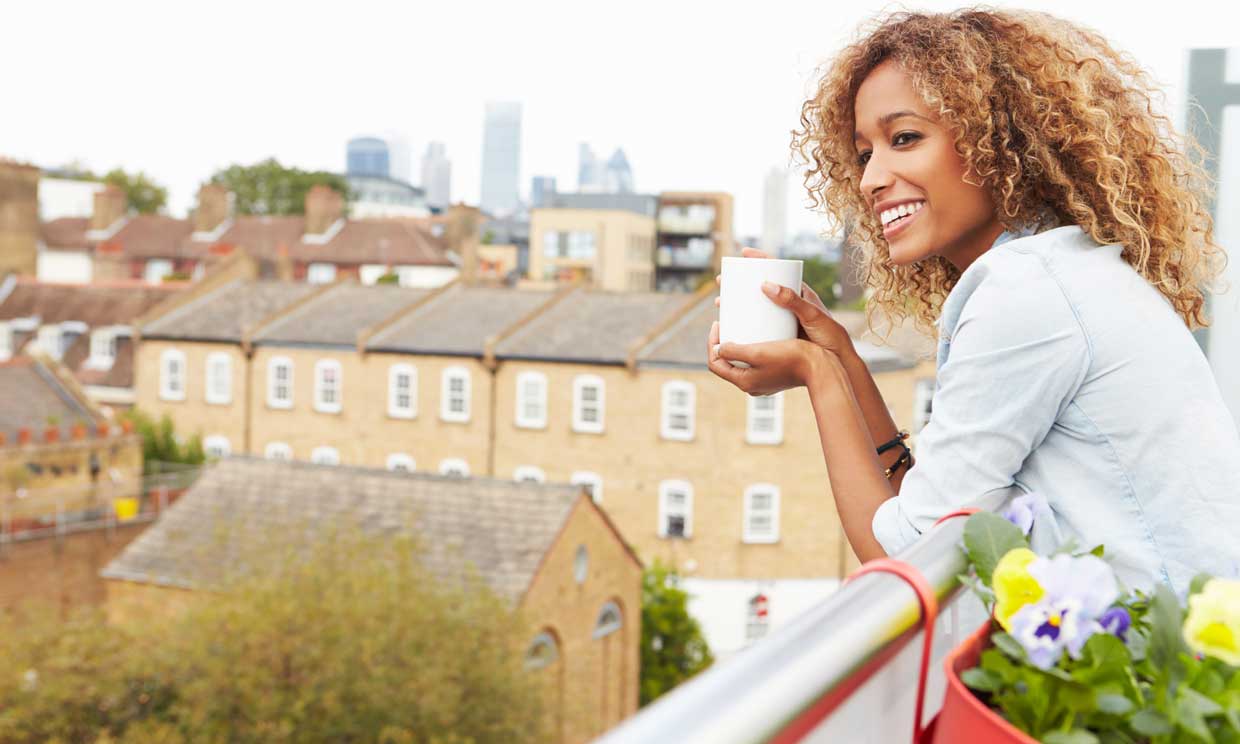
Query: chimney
x=109 y=207
x=19 y=217
x=462 y=236
x=324 y=205
x=214 y=206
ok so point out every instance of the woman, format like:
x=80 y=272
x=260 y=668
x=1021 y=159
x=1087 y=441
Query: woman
x=1007 y=179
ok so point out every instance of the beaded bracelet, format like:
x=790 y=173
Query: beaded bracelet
x=900 y=462
x=896 y=441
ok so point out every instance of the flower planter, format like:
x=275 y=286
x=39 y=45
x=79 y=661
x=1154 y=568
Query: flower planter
x=963 y=717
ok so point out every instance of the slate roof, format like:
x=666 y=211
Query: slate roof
x=459 y=321
x=591 y=326
x=336 y=316
x=684 y=343
x=32 y=394
x=98 y=304
x=150 y=236
x=65 y=233
x=227 y=312
x=500 y=528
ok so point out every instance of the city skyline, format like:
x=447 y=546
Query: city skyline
x=693 y=143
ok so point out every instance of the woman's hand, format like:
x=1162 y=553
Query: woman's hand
x=815 y=321
x=773 y=366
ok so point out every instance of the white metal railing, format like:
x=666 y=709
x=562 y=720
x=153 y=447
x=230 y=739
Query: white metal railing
x=846 y=670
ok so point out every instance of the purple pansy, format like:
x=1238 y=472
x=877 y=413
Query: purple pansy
x=1020 y=512
x=1078 y=591
x=1116 y=621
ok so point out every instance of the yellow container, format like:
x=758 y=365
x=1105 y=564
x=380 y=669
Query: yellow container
x=126 y=508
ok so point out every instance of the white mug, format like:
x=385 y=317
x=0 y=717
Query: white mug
x=746 y=314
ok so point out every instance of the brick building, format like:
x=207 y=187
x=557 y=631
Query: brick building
x=605 y=389
x=548 y=550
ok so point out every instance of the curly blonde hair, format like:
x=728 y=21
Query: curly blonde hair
x=1059 y=128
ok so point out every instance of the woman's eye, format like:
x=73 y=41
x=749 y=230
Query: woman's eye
x=863 y=158
x=904 y=138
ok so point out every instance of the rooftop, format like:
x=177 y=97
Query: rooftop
x=336 y=316
x=227 y=313
x=500 y=528
x=459 y=321
x=33 y=396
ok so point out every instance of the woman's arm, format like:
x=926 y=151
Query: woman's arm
x=874 y=412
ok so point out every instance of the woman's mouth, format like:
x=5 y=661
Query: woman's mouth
x=897 y=219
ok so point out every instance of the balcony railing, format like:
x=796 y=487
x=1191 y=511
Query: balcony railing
x=846 y=670
x=685 y=257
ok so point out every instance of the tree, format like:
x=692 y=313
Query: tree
x=822 y=277
x=141 y=193
x=351 y=639
x=268 y=188
x=160 y=444
x=673 y=648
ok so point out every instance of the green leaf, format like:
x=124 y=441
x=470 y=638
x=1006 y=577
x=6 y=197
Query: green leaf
x=1200 y=703
x=1166 y=642
x=1198 y=583
x=1150 y=722
x=1190 y=712
x=981 y=679
x=1116 y=705
x=1075 y=736
x=1098 y=551
x=987 y=538
x=1008 y=645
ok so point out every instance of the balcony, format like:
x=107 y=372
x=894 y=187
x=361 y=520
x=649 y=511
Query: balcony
x=693 y=219
x=844 y=671
x=698 y=254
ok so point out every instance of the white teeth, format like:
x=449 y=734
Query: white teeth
x=891 y=215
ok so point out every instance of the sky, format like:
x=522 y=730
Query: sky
x=701 y=95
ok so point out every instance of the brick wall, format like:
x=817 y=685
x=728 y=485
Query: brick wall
x=63 y=571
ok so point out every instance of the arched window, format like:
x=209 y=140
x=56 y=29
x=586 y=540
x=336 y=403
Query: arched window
x=454 y=467
x=325 y=456
x=401 y=461
x=592 y=481
x=543 y=651
x=609 y=620
x=216 y=446
x=529 y=474
x=278 y=451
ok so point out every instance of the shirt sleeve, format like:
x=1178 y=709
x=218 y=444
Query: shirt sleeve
x=1015 y=360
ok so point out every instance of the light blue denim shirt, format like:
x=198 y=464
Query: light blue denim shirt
x=1062 y=372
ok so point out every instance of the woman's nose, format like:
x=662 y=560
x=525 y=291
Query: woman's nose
x=875 y=178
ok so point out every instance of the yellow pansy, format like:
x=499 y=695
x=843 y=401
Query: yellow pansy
x=1014 y=586
x=1213 y=624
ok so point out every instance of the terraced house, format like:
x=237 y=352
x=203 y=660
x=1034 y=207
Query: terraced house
x=602 y=389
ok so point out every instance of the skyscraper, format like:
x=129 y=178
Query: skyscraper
x=400 y=157
x=368 y=156
x=437 y=176
x=589 y=175
x=501 y=157
x=542 y=188
x=775 y=211
x=619 y=176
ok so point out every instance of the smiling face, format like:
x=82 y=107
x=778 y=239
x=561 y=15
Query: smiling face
x=914 y=178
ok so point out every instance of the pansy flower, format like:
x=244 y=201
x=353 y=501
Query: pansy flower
x=1078 y=590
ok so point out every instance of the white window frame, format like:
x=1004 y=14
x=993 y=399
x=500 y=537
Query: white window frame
x=155 y=269
x=401 y=461
x=447 y=465
x=535 y=660
x=923 y=397
x=748 y=534
x=102 y=348
x=6 y=341
x=320 y=388
x=50 y=340
x=445 y=402
x=689 y=410
x=752 y=414
x=580 y=383
x=324 y=455
x=278 y=451
x=168 y=391
x=592 y=479
x=604 y=627
x=665 y=489
x=272 y=365
x=394 y=410
x=320 y=273
x=217 y=446
x=529 y=473
x=523 y=419
x=223 y=396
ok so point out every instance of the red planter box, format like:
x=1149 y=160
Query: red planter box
x=963 y=717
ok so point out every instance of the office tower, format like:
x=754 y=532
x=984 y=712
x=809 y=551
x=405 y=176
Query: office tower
x=619 y=177
x=501 y=157
x=368 y=156
x=589 y=175
x=775 y=212
x=542 y=188
x=400 y=157
x=437 y=176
